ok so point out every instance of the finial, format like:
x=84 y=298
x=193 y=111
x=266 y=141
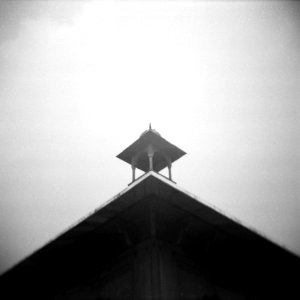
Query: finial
x=150 y=126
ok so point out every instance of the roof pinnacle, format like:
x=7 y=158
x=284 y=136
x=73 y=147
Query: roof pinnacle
x=151 y=152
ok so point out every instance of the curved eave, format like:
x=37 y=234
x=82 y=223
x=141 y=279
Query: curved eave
x=172 y=151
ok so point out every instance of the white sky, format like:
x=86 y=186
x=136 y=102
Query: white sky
x=80 y=81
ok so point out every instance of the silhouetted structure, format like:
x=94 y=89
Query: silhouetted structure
x=155 y=241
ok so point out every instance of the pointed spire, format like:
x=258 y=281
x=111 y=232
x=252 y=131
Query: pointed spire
x=150 y=126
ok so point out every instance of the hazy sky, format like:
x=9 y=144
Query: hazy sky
x=80 y=81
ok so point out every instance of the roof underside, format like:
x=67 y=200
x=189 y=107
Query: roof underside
x=159 y=143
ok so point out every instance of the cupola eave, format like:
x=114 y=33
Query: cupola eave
x=153 y=138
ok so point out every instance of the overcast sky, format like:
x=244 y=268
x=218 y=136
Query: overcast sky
x=80 y=81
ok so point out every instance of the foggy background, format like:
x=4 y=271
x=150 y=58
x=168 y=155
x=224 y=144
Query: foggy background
x=81 y=80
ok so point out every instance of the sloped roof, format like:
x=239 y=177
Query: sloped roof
x=122 y=222
x=154 y=138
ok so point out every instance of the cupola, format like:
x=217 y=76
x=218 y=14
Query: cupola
x=151 y=152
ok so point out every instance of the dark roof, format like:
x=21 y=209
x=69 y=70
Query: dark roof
x=151 y=137
x=123 y=221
